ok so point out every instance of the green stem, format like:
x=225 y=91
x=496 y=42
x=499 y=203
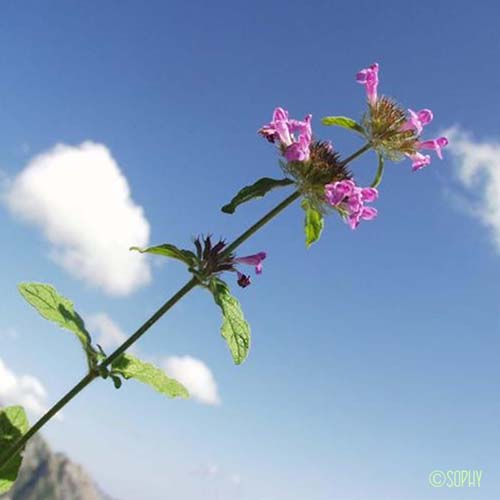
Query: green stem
x=380 y=172
x=192 y=283
x=150 y=322
x=359 y=152
x=19 y=444
x=270 y=215
x=85 y=381
x=92 y=375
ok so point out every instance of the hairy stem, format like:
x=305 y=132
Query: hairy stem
x=357 y=153
x=91 y=376
x=270 y=215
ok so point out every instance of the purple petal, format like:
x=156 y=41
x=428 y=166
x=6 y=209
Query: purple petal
x=283 y=132
x=368 y=213
x=425 y=116
x=419 y=161
x=280 y=114
x=369 y=194
x=252 y=260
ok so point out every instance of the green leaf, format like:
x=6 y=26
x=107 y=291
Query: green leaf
x=129 y=366
x=380 y=171
x=168 y=250
x=13 y=425
x=345 y=122
x=256 y=190
x=234 y=328
x=54 y=307
x=313 y=223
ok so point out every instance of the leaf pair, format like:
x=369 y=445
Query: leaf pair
x=235 y=329
x=54 y=307
x=314 y=219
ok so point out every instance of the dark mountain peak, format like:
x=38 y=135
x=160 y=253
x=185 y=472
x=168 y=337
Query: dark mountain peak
x=46 y=475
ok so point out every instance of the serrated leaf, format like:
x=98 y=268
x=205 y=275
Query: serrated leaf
x=380 y=171
x=313 y=223
x=256 y=190
x=58 y=309
x=13 y=425
x=345 y=122
x=169 y=250
x=234 y=328
x=129 y=366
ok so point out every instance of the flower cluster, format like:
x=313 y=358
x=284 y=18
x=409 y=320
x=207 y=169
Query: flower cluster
x=311 y=163
x=212 y=260
x=323 y=178
x=393 y=131
x=350 y=200
x=293 y=137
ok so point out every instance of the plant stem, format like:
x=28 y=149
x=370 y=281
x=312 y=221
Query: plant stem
x=270 y=215
x=92 y=375
x=19 y=444
x=192 y=283
x=359 y=152
x=85 y=381
x=150 y=322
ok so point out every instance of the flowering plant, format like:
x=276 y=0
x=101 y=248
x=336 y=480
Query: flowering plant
x=322 y=181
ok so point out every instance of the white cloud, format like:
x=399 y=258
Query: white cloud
x=110 y=334
x=79 y=198
x=478 y=171
x=24 y=390
x=9 y=333
x=195 y=375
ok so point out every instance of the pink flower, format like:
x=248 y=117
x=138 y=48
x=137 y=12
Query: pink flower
x=369 y=78
x=298 y=151
x=283 y=130
x=351 y=199
x=252 y=260
x=417 y=120
x=419 y=161
x=278 y=128
x=435 y=144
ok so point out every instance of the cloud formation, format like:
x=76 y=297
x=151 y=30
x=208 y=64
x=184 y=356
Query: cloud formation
x=79 y=198
x=24 y=390
x=478 y=170
x=195 y=375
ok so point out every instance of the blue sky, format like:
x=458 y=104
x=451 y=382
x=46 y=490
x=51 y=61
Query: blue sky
x=374 y=356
